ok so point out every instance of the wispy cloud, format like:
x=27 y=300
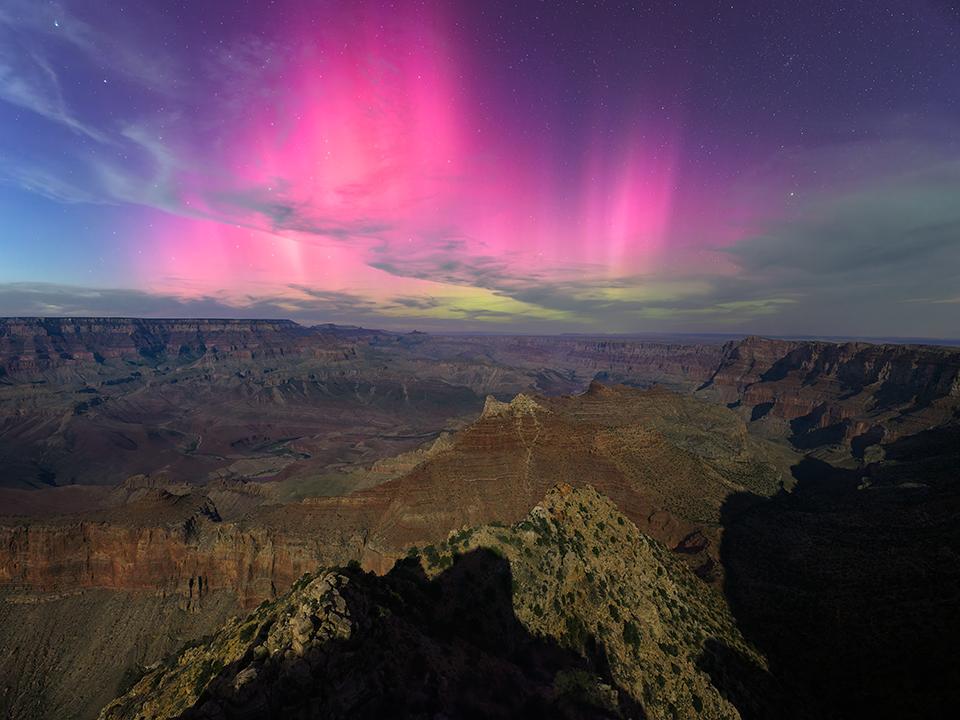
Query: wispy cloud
x=413 y=303
x=856 y=260
x=848 y=261
x=28 y=78
x=38 y=299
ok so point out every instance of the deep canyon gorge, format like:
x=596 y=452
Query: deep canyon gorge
x=798 y=500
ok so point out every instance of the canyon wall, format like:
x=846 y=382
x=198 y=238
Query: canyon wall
x=845 y=402
x=648 y=450
x=43 y=343
x=851 y=395
x=206 y=405
x=850 y=399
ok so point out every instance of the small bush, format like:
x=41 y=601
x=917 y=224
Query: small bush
x=669 y=649
x=431 y=555
x=302 y=582
x=248 y=632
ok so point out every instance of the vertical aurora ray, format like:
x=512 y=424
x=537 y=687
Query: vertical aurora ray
x=366 y=165
x=357 y=144
x=631 y=165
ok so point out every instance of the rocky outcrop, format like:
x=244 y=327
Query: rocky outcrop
x=148 y=544
x=847 y=396
x=405 y=462
x=163 y=543
x=668 y=461
x=571 y=612
x=852 y=395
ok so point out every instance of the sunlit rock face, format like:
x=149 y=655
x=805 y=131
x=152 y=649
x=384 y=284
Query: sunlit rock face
x=847 y=397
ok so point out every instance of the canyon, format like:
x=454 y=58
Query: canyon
x=191 y=470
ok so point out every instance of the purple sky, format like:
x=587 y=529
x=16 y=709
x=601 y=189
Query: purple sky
x=762 y=167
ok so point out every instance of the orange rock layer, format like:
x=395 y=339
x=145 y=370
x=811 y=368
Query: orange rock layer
x=497 y=469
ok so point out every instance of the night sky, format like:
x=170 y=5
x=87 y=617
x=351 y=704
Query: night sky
x=745 y=167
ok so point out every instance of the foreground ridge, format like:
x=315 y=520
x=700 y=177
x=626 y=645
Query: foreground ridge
x=571 y=612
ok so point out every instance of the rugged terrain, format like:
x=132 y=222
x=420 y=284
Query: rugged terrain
x=169 y=541
x=172 y=473
x=93 y=404
x=853 y=585
x=86 y=403
x=668 y=461
x=538 y=619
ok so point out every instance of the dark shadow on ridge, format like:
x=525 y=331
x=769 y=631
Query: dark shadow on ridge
x=760 y=410
x=754 y=692
x=818 y=481
x=449 y=647
x=807 y=436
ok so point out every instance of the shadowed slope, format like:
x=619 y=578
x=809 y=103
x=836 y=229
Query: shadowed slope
x=540 y=619
x=850 y=585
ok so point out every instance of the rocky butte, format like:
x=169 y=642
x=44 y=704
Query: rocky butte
x=668 y=462
x=161 y=477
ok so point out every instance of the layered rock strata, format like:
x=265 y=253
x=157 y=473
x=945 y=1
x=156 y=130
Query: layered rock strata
x=93 y=401
x=851 y=396
x=572 y=612
x=668 y=461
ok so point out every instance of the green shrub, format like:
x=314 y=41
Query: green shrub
x=208 y=671
x=431 y=555
x=248 y=632
x=669 y=649
x=302 y=582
